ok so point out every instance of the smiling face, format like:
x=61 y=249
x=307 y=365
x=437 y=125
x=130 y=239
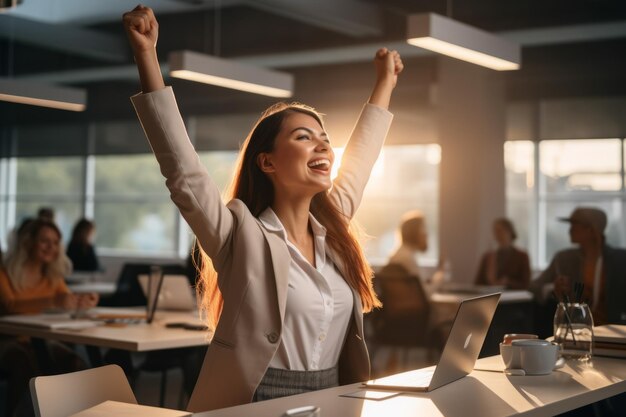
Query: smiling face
x=302 y=157
x=46 y=246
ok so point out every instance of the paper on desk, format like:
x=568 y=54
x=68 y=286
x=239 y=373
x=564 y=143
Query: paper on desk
x=371 y=395
x=120 y=409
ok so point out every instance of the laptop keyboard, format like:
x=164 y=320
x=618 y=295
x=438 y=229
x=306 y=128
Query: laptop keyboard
x=420 y=379
x=412 y=379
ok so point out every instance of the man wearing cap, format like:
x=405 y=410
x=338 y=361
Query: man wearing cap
x=601 y=268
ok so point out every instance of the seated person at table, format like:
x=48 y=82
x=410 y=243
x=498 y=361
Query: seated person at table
x=34 y=277
x=507 y=265
x=31 y=283
x=80 y=249
x=600 y=267
x=414 y=239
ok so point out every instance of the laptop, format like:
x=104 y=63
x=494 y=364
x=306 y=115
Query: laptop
x=459 y=355
x=175 y=292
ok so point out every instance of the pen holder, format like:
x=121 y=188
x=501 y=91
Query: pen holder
x=573 y=330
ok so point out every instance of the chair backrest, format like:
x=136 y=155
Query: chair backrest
x=404 y=317
x=65 y=394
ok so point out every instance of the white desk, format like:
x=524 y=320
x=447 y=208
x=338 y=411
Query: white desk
x=85 y=276
x=102 y=288
x=485 y=394
x=139 y=337
x=119 y=409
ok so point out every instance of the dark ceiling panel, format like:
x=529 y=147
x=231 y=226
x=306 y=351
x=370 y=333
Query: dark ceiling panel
x=561 y=70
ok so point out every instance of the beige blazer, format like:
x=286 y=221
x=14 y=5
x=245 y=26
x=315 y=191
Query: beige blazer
x=252 y=264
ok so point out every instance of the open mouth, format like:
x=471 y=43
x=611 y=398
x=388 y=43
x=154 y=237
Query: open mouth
x=321 y=165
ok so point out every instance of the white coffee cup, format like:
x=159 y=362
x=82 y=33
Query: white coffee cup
x=532 y=356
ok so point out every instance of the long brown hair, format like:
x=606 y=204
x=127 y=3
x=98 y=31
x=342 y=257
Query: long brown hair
x=27 y=236
x=255 y=189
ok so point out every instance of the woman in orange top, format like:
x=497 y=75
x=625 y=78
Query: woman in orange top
x=33 y=282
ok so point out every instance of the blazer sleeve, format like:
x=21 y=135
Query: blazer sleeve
x=359 y=157
x=191 y=189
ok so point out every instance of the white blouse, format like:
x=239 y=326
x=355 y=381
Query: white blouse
x=319 y=305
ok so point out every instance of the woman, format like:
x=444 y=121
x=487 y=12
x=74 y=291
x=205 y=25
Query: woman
x=290 y=283
x=507 y=265
x=80 y=249
x=32 y=282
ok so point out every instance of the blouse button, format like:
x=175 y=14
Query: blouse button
x=272 y=337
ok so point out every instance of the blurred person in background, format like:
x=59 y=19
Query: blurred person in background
x=33 y=282
x=507 y=265
x=14 y=236
x=46 y=213
x=81 y=250
x=600 y=267
x=413 y=240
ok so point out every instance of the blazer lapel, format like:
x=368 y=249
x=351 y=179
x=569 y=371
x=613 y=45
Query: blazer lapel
x=280 y=263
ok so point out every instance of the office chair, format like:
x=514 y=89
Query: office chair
x=66 y=394
x=403 y=321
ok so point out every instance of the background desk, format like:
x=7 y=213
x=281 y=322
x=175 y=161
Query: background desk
x=101 y=288
x=139 y=337
x=484 y=394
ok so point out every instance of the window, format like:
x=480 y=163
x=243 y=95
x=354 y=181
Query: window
x=404 y=178
x=569 y=173
x=61 y=189
x=127 y=198
x=131 y=206
x=221 y=166
x=580 y=165
x=520 y=185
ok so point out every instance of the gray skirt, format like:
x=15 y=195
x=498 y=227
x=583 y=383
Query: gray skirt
x=278 y=383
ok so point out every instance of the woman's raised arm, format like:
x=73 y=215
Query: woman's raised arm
x=191 y=189
x=143 y=31
x=388 y=65
x=368 y=135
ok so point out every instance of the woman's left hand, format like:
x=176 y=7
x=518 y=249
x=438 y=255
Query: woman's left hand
x=388 y=65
